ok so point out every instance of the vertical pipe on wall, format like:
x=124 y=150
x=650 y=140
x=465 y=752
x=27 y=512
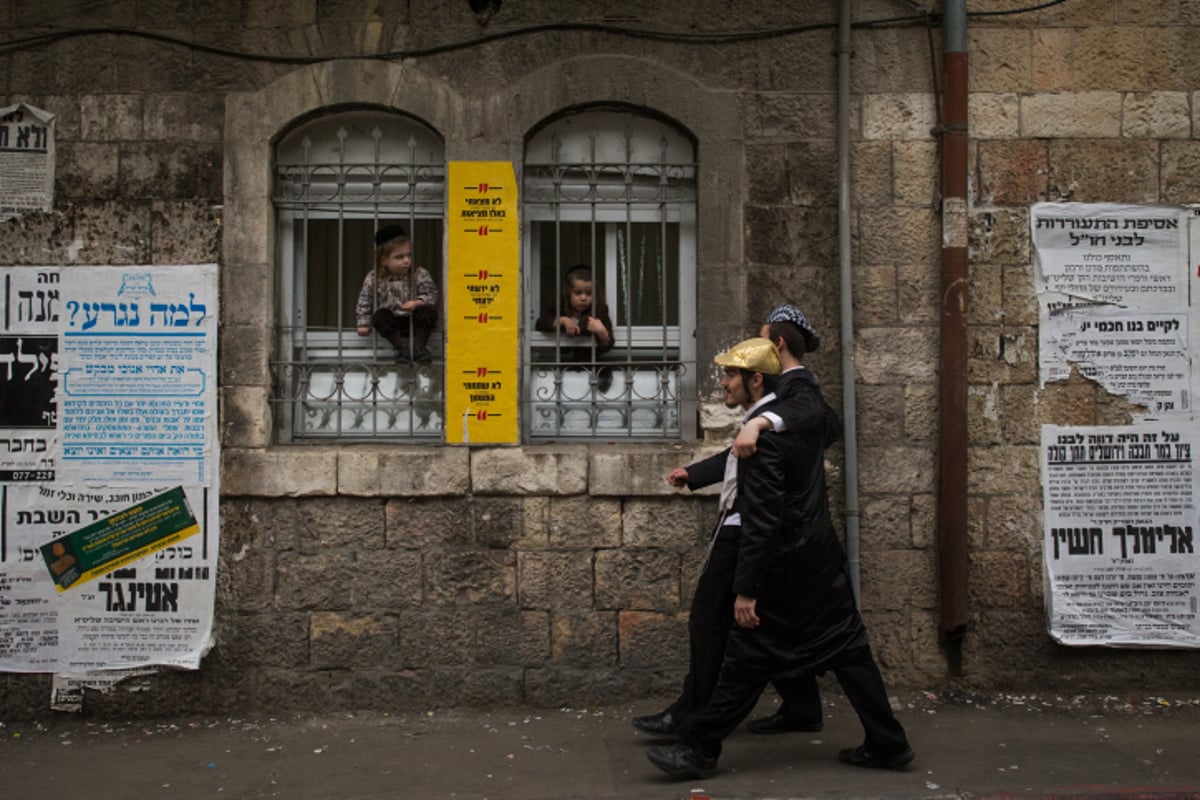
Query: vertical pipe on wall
x=952 y=461
x=847 y=295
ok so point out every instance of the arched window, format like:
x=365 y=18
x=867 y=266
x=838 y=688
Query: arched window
x=340 y=178
x=612 y=190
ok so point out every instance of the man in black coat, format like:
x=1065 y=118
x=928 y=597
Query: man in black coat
x=794 y=610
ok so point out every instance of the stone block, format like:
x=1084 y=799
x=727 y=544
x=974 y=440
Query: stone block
x=340 y=522
x=584 y=522
x=1181 y=168
x=1053 y=60
x=574 y=687
x=529 y=470
x=282 y=472
x=998 y=579
x=1019 y=295
x=436 y=637
x=792 y=173
x=876 y=295
x=999 y=237
x=271 y=638
x=498 y=523
x=184 y=116
x=246 y=572
x=879 y=406
x=637 y=580
x=475 y=687
x=37 y=238
x=928 y=657
x=896 y=580
x=871 y=176
x=245 y=354
x=650 y=640
x=919 y=287
x=315 y=582
x=890 y=643
x=1111 y=57
x=1067 y=115
x=1012 y=172
x=890 y=355
x=111 y=117
x=899 y=235
x=550 y=580
x=918 y=178
x=584 y=638
x=1010 y=469
x=790 y=115
x=473 y=577
x=185 y=232
x=535 y=515
x=167 y=171
x=512 y=638
x=242 y=297
x=637 y=470
x=994 y=116
x=921 y=413
x=1171 y=62
x=1156 y=115
x=925 y=520
x=885 y=522
x=1001 y=59
x=898 y=116
x=1001 y=354
x=778 y=235
x=1014 y=523
x=112 y=233
x=245 y=417
x=85 y=171
x=352 y=641
x=413 y=471
x=896 y=470
x=428 y=523
x=1122 y=171
x=672 y=523
x=896 y=60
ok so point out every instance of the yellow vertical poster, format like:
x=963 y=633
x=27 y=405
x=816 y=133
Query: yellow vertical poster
x=482 y=300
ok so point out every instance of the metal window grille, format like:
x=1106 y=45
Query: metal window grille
x=615 y=191
x=338 y=179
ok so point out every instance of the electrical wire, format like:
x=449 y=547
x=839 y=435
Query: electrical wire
x=925 y=17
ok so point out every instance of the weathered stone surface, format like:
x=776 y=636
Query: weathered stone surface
x=651 y=640
x=1093 y=171
x=885 y=522
x=512 y=638
x=1156 y=115
x=1001 y=60
x=994 y=116
x=899 y=235
x=244 y=419
x=1012 y=172
x=475 y=687
x=270 y=639
x=249 y=544
x=794 y=173
x=436 y=637
x=584 y=522
x=776 y=235
x=584 y=638
x=471 y=577
x=984 y=421
x=1181 y=168
x=344 y=641
x=898 y=116
x=576 y=686
x=876 y=294
x=998 y=579
x=1111 y=57
x=1071 y=115
x=772 y=115
x=551 y=580
x=999 y=237
x=111 y=117
x=406 y=472
x=85 y=170
x=872 y=183
x=895 y=580
x=1009 y=469
x=112 y=233
x=918 y=176
x=670 y=523
x=1052 y=59
x=185 y=232
x=340 y=522
x=1001 y=354
x=282 y=472
x=637 y=580
x=636 y=470
x=1014 y=523
x=890 y=470
x=888 y=355
x=529 y=470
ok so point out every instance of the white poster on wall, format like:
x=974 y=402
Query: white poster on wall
x=26 y=160
x=1113 y=292
x=109 y=481
x=1120 y=507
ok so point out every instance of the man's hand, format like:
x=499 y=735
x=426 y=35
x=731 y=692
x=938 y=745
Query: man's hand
x=677 y=477
x=746 y=442
x=743 y=611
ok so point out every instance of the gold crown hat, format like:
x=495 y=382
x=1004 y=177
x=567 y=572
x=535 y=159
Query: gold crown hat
x=756 y=355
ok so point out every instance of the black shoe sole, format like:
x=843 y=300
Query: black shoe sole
x=681 y=771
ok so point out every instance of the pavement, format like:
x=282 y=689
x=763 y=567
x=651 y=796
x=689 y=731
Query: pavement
x=969 y=747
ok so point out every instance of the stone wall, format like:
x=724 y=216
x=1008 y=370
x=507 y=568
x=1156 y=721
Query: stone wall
x=411 y=575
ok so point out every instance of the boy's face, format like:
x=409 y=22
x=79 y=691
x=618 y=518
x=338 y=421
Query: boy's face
x=736 y=392
x=581 y=295
x=398 y=260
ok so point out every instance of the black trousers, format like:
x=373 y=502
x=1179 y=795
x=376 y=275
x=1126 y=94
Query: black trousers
x=396 y=328
x=709 y=623
x=742 y=682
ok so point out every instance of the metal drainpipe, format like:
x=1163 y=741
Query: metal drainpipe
x=850 y=434
x=952 y=461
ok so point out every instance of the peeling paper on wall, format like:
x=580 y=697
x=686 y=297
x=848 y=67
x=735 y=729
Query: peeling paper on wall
x=1113 y=288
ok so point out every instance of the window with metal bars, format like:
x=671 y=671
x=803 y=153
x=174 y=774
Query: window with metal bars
x=610 y=194
x=340 y=178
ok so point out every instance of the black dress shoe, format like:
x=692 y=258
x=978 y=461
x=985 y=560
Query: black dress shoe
x=663 y=724
x=862 y=757
x=781 y=723
x=682 y=761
